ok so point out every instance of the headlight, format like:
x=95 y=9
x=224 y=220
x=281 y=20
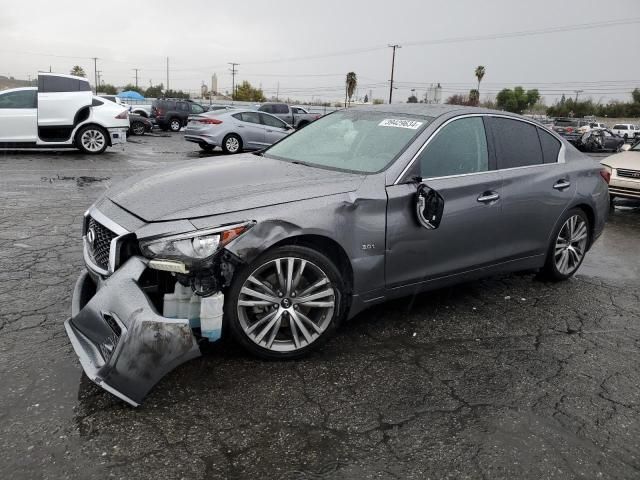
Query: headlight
x=192 y=247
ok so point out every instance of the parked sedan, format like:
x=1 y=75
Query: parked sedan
x=278 y=247
x=235 y=130
x=139 y=125
x=624 y=169
x=600 y=140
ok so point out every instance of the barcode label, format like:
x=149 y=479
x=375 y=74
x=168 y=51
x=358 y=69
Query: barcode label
x=394 y=122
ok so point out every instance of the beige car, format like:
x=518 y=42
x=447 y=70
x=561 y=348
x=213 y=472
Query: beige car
x=624 y=169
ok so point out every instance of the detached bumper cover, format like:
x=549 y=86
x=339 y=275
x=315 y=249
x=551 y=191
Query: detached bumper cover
x=124 y=346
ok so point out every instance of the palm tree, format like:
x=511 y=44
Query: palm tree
x=352 y=82
x=78 y=71
x=480 y=71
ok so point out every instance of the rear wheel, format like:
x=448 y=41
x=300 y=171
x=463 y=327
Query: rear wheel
x=286 y=303
x=175 y=124
x=92 y=139
x=232 y=144
x=137 y=128
x=568 y=246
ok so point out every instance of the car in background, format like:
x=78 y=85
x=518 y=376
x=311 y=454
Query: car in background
x=278 y=248
x=571 y=128
x=173 y=113
x=624 y=169
x=220 y=108
x=298 y=117
x=142 y=110
x=236 y=130
x=600 y=140
x=115 y=99
x=139 y=125
x=60 y=112
x=597 y=125
x=628 y=131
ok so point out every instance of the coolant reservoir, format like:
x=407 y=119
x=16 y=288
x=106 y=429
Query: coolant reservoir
x=211 y=316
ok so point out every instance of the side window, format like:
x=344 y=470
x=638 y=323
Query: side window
x=516 y=143
x=250 y=117
x=195 y=108
x=459 y=148
x=266 y=108
x=550 y=146
x=270 y=121
x=282 y=109
x=184 y=106
x=20 y=99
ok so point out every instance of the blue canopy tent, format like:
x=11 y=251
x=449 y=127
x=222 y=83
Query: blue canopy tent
x=131 y=95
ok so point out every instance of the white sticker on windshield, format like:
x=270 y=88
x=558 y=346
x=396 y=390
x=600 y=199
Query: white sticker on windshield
x=395 y=122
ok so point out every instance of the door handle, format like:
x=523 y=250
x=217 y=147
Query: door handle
x=487 y=197
x=562 y=184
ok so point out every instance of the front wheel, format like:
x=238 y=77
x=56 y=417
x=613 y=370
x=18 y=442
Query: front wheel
x=568 y=245
x=137 y=128
x=92 y=139
x=286 y=303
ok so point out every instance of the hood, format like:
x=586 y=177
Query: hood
x=213 y=186
x=629 y=160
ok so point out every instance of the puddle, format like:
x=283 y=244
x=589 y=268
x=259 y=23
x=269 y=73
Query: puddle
x=81 y=181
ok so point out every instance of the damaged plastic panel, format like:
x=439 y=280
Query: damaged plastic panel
x=123 y=344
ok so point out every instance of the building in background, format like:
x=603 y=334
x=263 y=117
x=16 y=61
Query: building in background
x=433 y=94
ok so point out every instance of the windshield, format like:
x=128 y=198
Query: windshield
x=352 y=140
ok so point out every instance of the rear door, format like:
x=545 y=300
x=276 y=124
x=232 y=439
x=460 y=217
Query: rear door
x=251 y=129
x=60 y=98
x=537 y=185
x=19 y=116
x=275 y=129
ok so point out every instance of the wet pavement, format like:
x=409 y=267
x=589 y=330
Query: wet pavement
x=508 y=377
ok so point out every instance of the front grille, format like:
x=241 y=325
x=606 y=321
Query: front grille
x=99 y=243
x=623 y=172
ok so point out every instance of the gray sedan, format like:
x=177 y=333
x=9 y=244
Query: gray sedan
x=235 y=130
x=277 y=248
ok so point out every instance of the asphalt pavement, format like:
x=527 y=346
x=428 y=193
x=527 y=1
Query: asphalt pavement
x=508 y=377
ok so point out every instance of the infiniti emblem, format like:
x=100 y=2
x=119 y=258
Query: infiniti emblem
x=91 y=237
x=286 y=303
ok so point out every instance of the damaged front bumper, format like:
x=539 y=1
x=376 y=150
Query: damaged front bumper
x=123 y=344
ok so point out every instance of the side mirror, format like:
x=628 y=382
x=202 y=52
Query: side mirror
x=429 y=207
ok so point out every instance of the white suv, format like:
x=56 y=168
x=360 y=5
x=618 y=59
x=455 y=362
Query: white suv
x=628 y=131
x=61 y=112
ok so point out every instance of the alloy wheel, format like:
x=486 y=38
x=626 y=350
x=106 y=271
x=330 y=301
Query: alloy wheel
x=286 y=304
x=571 y=245
x=175 y=125
x=93 y=140
x=232 y=144
x=138 y=128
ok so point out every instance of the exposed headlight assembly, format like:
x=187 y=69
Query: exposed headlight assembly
x=171 y=252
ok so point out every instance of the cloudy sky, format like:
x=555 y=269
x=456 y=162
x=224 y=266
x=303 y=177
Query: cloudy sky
x=305 y=48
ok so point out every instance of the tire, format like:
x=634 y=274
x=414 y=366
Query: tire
x=564 y=258
x=232 y=144
x=138 y=128
x=175 y=124
x=626 y=138
x=92 y=139
x=264 y=329
x=301 y=125
x=206 y=147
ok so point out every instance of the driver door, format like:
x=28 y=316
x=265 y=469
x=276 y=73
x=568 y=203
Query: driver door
x=456 y=165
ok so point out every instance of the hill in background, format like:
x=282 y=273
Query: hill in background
x=10 y=82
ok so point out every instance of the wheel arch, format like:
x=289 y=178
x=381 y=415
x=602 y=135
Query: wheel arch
x=91 y=123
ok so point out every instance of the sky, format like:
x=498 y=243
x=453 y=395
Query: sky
x=303 y=49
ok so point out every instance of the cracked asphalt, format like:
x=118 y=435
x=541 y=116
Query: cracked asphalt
x=508 y=377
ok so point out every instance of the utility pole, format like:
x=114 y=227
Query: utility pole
x=167 y=73
x=278 y=93
x=136 y=70
x=393 y=64
x=578 y=92
x=99 y=75
x=95 y=72
x=233 y=79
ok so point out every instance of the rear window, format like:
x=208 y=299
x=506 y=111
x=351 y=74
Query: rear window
x=517 y=143
x=50 y=83
x=550 y=146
